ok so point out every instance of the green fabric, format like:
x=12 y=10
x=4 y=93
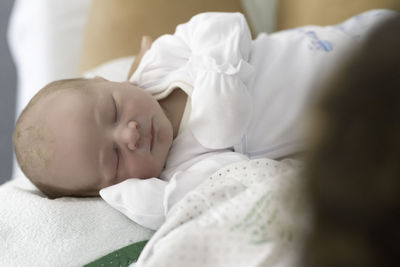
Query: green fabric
x=121 y=257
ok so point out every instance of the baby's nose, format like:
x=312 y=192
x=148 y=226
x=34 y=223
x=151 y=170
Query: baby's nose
x=131 y=135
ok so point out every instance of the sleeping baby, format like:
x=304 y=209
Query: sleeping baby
x=200 y=99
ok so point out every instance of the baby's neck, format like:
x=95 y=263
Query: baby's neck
x=174 y=106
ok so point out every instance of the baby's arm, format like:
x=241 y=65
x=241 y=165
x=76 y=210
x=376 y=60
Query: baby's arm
x=144 y=46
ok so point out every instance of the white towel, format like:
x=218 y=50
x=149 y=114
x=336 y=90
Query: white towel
x=37 y=231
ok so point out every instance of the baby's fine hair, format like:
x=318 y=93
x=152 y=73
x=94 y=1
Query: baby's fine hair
x=32 y=155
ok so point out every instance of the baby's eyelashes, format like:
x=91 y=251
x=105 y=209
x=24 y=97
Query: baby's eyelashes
x=115 y=110
x=117 y=156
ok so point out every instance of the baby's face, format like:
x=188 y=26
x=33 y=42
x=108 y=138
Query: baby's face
x=101 y=137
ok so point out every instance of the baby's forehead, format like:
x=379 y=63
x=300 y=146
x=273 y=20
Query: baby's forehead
x=87 y=88
x=61 y=100
x=69 y=92
x=79 y=96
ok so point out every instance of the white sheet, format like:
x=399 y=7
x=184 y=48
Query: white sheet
x=247 y=214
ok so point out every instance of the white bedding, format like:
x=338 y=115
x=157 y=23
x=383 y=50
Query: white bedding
x=247 y=214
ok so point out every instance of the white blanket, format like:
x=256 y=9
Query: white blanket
x=246 y=214
x=36 y=231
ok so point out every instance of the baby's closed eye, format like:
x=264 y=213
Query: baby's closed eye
x=115 y=111
x=117 y=157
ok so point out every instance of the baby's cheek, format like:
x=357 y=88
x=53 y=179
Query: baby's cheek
x=164 y=136
x=118 y=180
x=149 y=169
x=92 y=191
x=143 y=168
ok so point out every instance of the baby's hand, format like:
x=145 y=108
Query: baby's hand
x=144 y=47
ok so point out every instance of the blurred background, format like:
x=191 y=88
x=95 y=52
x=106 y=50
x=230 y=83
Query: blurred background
x=8 y=87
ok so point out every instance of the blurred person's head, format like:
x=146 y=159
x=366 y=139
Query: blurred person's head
x=353 y=171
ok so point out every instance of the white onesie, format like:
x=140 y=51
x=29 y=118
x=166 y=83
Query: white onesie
x=246 y=98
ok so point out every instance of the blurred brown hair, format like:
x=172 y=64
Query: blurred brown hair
x=353 y=172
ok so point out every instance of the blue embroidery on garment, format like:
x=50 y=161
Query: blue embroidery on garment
x=318 y=44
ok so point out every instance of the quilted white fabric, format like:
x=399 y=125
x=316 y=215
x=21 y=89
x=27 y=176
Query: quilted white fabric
x=247 y=214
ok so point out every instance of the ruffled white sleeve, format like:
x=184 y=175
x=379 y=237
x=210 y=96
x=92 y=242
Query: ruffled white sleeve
x=210 y=53
x=147 y=201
